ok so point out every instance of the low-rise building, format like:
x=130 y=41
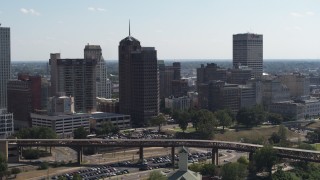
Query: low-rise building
x=63 y=125
x=178 y=103
x=120 y=120
x=108 y=105
x=289 y=109
x=6 y=124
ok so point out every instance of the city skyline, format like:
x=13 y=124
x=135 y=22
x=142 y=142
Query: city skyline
x=179 y=29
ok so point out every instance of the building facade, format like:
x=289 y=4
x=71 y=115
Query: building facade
x=102 y=82
x=211 y=72
x=119 y=120
x=298 y=84
x=6 y=118
x=108 y=105
x=138 y=81
x=63 y=125
x=274 y=91
x=178 y=103
x=248 y=51
x=77 y=78
x=24 y=97
x=217 y=95
x=240 y=75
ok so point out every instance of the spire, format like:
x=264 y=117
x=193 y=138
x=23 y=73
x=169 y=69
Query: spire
x=129 y=28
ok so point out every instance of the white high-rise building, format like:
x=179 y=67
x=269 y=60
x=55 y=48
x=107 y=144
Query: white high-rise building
x=6 y=119
x=248 y=51
x=103 y=83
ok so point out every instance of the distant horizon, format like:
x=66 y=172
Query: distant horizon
x=177 y=29
x=199 y=60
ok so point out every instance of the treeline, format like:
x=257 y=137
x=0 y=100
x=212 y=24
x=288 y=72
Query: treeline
x=207 y=122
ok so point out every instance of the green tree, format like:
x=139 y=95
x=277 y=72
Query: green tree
x=3 y=166
x=107 y=128
x=275 y=118
x=243 y=160
x=234 y=171
x=246 y=117
x=207 y=124
x=224 y=119
x=156 y=175
x=283 y=135
x=80 y=133
x=183 y=121
x=313 y=137
x=264 y=159
x=196 y=167
x=36 y=133
x=158 y=121
x=275 y=138
x=281 y=175
x=306 y=146
x=208 y=170
x=76 y=177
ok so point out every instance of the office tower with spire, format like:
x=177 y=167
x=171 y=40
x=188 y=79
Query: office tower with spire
x=6 y=119
x=248 y=51
x=138 y=81
x=102 y=82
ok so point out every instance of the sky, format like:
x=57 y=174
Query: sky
x=178 y=29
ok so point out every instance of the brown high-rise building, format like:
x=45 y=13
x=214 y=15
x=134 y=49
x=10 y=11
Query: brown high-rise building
x=24 y=97
x=138 y=81
x=212 y=72
x=77 y=78
x=217 y=95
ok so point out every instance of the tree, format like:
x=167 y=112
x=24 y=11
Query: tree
x=15 y=171
x=207 y=123
x=275 y=118
x=234 y=171
x=246 y=117
x=107 y=128
x=208 y=170
x=3 y=166
x=223 y=118
x=183 y=120
x=306 y=146
x=252 y=116
x=37 y=133
x=158 y=121
x=76 y=177
x=282 y=132
x=281 y=175
x=80 y=133
x=275 y=138
x=195 y=167
x=243 y=160
x=264 y=159
x=313 y=137
x=156 y=175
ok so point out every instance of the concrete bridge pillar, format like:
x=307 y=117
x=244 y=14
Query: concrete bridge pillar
x=140 y=153
x=172 y=156
x=79 y=155
x=215 y=156
x=250 y=156
x=4 y=149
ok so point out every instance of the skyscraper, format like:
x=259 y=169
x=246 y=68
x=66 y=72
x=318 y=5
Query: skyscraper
x=5 y=61
x=77 y=78
x=248 y=51
x=102 y=82
x=6 y=119
x=138 y=81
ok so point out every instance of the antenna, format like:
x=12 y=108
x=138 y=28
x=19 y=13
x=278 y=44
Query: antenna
x=129 y=28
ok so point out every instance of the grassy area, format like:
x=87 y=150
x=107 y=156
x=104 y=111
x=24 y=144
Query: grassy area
x=188 y=130
x=254 y=134
x=317 y=146
x=315 y=125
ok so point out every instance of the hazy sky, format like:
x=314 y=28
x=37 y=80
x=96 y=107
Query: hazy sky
x=179 y=29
